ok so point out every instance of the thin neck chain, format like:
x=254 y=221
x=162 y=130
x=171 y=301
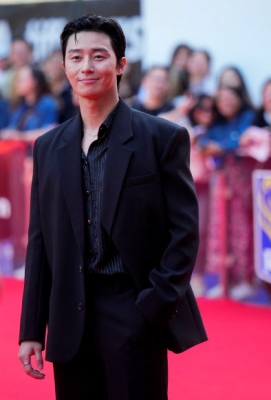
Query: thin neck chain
x=90 y=134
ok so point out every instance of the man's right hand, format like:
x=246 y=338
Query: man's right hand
x=27 y=350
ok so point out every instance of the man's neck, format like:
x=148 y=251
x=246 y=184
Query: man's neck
x=95 y=111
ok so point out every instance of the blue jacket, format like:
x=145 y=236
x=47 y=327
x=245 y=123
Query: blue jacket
x=227 y=133
x=41 y=115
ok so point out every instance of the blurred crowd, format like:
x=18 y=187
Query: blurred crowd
x=34 y=97
x=230 y=138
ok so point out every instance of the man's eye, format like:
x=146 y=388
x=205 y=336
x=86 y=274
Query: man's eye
x=99 y=56
x=75 y=58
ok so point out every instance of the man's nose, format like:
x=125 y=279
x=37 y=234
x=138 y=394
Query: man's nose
x=87 y=65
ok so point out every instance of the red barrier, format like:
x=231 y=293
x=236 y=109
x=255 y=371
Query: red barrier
x=217 y=230
x=222 y=204
x=13 y=197
x=15 y=180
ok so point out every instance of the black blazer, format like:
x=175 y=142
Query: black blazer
x=149 y=210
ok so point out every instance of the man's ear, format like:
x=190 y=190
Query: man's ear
x=121 y=66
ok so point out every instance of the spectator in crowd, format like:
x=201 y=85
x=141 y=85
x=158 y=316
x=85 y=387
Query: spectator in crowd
x=235 y=117
x=180 y=57
x=3 y=67
x=180 y=113
x=155 y=84
x=20 y=55
x=178 y=75
x=202 y=117
x=59 y=85
x=262 y=117
x=197 y=115
x=232 y=77
x=198 y=67
x=35 y=110
x=127 y=87
x=222 y=142
x=256 y=140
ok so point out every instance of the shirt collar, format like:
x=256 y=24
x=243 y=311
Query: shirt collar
x=108 y=122
x=106 y=126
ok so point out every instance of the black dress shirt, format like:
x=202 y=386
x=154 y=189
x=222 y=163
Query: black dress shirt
x=101 y=256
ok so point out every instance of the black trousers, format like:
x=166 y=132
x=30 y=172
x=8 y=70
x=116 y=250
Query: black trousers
x=122 y=356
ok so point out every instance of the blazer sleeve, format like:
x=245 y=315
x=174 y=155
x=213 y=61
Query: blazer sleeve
x=37 y=284
x=171 y=280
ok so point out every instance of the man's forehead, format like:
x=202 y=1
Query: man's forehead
x=89 y=39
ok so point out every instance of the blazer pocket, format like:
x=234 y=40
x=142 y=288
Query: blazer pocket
x=139 y=180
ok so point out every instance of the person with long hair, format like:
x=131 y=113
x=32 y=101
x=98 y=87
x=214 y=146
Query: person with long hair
x=34 y=110
x=232 y=76
x=222 y=142
x=178 y=75
x=234 y=117
x=262 y=117
x=59 y=86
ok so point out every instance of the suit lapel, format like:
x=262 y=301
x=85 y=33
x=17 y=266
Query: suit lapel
x=118 y=158
x=71 y=175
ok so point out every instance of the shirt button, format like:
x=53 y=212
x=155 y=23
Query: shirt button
x=90 y=251
x=86 y=162
x=80 y=306
x=89 y=222
x=80 y=269
x=88 y=192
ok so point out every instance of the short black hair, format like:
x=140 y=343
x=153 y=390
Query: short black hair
x=95 y=23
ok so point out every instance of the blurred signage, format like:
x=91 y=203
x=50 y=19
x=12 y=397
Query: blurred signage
x=262 y=223
x=41 y=23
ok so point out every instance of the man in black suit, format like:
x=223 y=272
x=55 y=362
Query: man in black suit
x=113 y=236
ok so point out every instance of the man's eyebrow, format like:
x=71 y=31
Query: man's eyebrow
x=104 y=49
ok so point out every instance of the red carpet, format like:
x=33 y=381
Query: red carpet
x=235 y=364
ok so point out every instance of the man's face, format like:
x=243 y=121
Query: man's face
x=91 y=65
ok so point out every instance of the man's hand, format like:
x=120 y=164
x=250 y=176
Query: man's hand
x=28 y=349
